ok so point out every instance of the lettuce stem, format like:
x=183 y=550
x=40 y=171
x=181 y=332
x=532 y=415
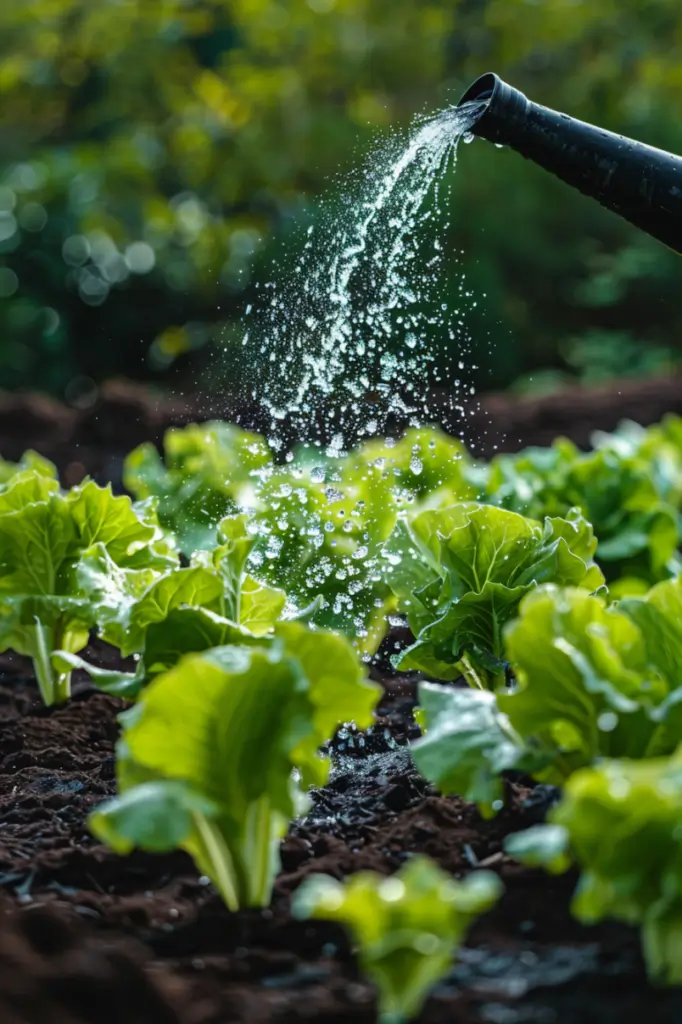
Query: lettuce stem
x=471 y=675
x=55 y=687
x=216 y=860
x=260 y=850
x=243 y=872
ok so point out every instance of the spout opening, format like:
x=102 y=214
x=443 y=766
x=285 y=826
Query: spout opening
x=503 y=108
x=481 y=91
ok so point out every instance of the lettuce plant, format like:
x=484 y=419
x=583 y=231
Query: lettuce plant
x=321 y=530
x=621 y=488
x=44 y=535
x=215 y=757
x=425 y=466
x=460 y=573
x=588 y=686
x=659 y=446
x=318 y=525
x=619 y=821
x=209 y=471
x=407 y=928
x=658 y=616
x=160 y=616
x=593 y=681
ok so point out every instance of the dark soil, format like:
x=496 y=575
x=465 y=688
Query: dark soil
x=86 y=936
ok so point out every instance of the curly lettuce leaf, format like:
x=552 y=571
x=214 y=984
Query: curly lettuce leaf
x=532 y=481
x=623 y=489
x=30 y=462
x=587 y=687
x=659 y=446
x=619 y=821
x=461 y=572
x=659 y=618
x=209 y=471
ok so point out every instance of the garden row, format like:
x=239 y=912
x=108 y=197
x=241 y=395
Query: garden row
x=250 y=591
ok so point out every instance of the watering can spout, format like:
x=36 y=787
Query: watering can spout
x=638 y=182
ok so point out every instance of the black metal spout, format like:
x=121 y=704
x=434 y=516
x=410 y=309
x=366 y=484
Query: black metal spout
x=641 y=183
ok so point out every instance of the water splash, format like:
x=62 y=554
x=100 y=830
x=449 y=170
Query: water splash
x=344 y=346
x=346 y=340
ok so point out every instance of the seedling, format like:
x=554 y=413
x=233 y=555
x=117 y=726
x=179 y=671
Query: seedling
x=406 y=928
x=216 y=757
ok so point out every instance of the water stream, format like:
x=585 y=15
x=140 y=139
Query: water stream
x=347 y=345
x=345 y=337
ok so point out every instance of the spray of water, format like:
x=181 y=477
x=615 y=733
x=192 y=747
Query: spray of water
x=344 y=347
x=345 y=339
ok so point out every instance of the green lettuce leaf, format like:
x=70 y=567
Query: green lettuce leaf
x=624 y=488
x=160 y=616
x=659 y=618
x=407 y=928
x=209 y=471
x=126 y=685
x=659 y=446
x=545 y=845
x=30 y=462
x=127 y=601
x=587 y=687
x=468 y=743
x=209 y=757
x=425 y=465
x=44 y=535
x=222 y=727
x=340 y=691
x=244 y=600
x=320 y=533
x=470 y=566
x=620 y=822
x=188 y=630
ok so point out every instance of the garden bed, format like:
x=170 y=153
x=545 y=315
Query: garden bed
x=89 y=936
x=147 y=932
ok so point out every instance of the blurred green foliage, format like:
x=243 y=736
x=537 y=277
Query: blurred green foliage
x=150 y=149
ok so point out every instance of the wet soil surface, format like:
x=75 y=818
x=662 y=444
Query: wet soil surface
x=86 y=936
